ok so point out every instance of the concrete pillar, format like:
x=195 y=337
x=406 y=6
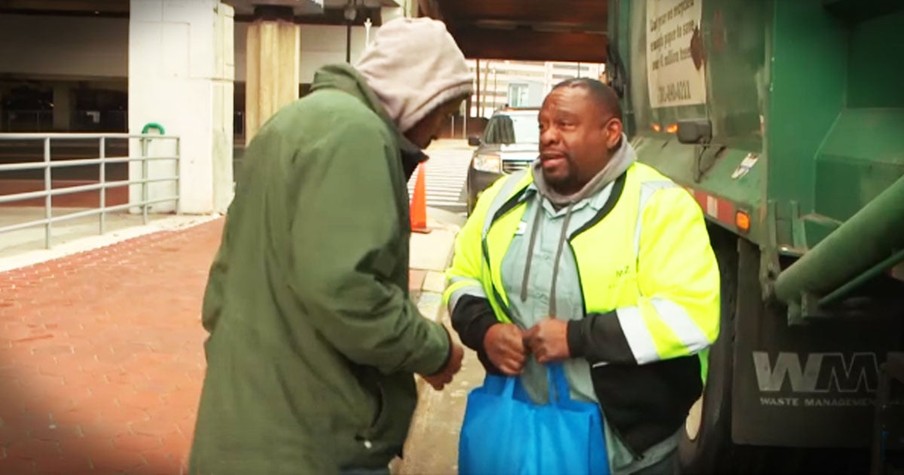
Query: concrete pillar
x=62 y=107
x=181 y=70
x=391 y=13
x=272 y=65
x=2 y=111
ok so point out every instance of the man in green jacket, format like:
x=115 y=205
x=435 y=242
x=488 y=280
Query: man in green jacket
x=313 y=338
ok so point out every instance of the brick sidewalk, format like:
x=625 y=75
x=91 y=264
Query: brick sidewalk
x=101 y=357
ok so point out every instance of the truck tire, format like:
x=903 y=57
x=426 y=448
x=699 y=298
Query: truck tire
x=705 y=446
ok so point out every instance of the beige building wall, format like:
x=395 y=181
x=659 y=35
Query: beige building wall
x=496 y=77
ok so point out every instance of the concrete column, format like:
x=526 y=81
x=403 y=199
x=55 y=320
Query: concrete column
x=391 y=13
x=272 y=65
x=2 y=112
x=181 y=70
x=62 y=107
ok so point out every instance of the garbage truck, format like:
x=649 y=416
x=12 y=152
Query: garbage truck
x=785 y=120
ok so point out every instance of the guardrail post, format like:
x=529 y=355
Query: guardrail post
x=144 y=180
x=178 y=172
x=48 y=198
x=103 y=183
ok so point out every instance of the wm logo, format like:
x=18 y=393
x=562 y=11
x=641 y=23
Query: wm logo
x=820 y=373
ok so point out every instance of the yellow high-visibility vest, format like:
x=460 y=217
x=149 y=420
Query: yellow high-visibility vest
x=647 y=259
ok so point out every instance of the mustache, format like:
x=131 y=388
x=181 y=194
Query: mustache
x=548 y=154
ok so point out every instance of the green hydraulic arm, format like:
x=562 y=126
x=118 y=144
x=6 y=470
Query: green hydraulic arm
x=869 y=243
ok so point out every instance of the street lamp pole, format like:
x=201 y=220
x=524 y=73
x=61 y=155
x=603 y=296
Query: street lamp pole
x=348 y=42
x=350 y=13
x=495 y=89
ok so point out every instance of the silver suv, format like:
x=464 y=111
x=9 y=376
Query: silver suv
x=510 y=142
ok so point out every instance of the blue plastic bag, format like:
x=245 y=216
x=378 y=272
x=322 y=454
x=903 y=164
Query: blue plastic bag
x=504 y=432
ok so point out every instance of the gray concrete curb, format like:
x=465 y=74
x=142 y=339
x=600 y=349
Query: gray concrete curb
x=94 y=241
x=445 y=225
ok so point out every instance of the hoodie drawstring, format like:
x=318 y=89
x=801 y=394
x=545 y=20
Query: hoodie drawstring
x=530 y=249
x=555 y=263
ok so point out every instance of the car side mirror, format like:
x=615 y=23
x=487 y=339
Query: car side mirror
x=474 y=141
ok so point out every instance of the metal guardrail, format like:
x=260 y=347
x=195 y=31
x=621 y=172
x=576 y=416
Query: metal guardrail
x=48 y=165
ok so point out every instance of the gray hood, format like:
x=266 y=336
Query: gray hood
x=618 y=163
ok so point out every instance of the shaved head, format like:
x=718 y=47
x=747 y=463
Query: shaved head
x=604 y=96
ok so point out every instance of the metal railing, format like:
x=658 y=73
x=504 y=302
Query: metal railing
x=47 y=165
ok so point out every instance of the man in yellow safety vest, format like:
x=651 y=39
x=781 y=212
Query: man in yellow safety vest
x=597 y=261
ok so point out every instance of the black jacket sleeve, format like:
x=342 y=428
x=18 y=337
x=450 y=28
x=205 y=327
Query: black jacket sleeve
x=472 y=317
x=599 y=337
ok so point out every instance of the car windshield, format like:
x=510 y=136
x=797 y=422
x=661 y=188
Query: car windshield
x=513 y=128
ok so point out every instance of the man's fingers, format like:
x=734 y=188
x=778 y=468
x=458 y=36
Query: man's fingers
x=514 y=354
x=536 y=343
x=529 y=336
x=509 y=365
x=435 y=383
x=440 y=383
x=511 y=369
x=539 y=354
x=514 y=340
x=454 y=366
x=521 y=356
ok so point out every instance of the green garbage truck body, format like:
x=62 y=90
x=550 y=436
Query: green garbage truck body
x=785 y=120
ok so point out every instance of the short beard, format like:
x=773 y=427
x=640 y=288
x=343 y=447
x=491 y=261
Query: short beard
x=564 y=186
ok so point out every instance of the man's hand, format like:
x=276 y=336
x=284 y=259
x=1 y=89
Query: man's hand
x=548 y=340
x=444 y=376
x=504 y=344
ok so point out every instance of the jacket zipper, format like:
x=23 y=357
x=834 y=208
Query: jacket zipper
x=634 y=455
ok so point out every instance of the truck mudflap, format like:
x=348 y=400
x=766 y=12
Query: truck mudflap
x=887 y=454
x=810 y=385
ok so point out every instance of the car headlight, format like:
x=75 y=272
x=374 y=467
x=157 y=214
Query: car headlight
x=488 y=163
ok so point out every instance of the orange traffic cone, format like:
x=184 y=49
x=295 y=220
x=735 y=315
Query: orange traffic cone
x=418 y=209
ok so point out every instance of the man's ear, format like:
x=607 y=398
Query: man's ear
x=613 y=133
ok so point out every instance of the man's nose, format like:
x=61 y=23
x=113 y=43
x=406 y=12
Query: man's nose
x=549 y=136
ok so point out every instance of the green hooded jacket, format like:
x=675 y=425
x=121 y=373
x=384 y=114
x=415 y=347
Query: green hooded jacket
x=313 y=338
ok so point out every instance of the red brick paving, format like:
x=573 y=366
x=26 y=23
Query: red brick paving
x=101 y=357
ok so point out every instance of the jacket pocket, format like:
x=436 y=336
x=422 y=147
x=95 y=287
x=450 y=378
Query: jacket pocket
x=375 y=394
x=394 y=398
x=646 y=404
x=380 y=412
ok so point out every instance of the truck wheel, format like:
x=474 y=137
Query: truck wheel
x=705 y=444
